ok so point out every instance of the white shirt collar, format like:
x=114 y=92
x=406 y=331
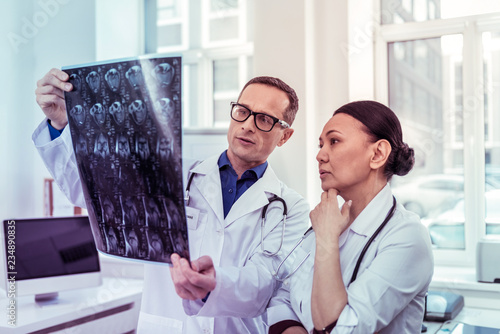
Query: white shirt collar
x=373 y=215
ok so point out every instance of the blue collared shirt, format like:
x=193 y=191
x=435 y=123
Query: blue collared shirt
x=232 y=188
x=54 y=133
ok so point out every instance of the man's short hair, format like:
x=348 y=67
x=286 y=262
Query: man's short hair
x=293 y=105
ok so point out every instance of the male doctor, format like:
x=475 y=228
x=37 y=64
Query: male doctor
x=229 y=285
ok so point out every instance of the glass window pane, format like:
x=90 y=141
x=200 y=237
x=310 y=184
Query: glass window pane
x=400 y=11
x=168 y=9
x=225 y=87
x=422 y=88
x=169 y=35
x=221 y=5
x=221 y=112
x=223 y=29
x=190 y=96
x=225 y=75
x=491 y=68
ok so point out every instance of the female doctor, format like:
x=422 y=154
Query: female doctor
x=361 y=148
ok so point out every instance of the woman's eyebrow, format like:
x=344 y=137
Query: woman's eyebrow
x=330 y=132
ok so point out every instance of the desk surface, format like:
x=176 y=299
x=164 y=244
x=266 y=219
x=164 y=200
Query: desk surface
x=471 y=316
x=114 y=296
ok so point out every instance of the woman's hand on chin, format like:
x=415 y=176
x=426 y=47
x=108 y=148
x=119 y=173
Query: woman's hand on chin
x=328 y=221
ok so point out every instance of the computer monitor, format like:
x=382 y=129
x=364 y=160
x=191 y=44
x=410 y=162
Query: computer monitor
x=46 y=255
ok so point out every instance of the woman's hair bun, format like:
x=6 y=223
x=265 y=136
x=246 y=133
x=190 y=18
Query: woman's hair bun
x=404 y=159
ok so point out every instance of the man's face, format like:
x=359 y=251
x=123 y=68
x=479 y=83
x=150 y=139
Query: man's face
x=248 y=146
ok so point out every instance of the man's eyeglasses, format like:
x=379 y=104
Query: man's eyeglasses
x=263 y=122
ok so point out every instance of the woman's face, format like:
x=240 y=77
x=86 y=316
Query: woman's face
x=344 y=155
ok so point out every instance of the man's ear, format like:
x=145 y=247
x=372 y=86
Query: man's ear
x=381 y=151
x=287 y=133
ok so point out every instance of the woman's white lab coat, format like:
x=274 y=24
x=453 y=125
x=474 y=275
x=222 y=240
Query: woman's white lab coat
x=388 y=293
x=243 y=273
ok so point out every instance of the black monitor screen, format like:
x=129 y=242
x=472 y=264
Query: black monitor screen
x=52 y=246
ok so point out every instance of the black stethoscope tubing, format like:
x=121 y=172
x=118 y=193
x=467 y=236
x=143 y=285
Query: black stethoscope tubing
x=188 y=187
x=363 y=252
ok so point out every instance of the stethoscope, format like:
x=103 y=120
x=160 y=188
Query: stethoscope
x=264 y=212
x=360 y=258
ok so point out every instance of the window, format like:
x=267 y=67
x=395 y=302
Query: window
x=442 y=73
x=214 y=38
x=399 y=11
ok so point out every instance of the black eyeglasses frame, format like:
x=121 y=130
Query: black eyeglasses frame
x=275 y=119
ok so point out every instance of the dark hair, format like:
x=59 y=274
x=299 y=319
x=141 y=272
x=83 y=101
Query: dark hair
x=381 y=122
x=293 y=106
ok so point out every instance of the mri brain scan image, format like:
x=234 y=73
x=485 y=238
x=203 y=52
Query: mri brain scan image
x=117 y=111
x=78 y=115
x=122 y=146
x=76 y=81
x=101 y=147
x=126 y=130
x=164 y=73
x=166 y=107
x=142 y=147
x=134 y=77
x=112 y=77
x=98 y=113
x=138 y=111
x=81 y=146
x=94 y=81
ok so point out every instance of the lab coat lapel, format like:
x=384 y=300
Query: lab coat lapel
x=209 y=185
x=255 y=197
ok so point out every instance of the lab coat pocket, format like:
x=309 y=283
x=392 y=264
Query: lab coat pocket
x=196 y=231
x=193 y=217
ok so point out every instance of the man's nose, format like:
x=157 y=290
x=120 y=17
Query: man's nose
x=249 y=123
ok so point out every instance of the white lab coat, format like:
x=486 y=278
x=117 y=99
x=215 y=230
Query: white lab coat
x=243 y=273
x=388 y=294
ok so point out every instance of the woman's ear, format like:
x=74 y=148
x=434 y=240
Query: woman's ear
x=381 y=151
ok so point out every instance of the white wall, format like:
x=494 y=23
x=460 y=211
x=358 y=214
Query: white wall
x=119 y=29
x=36 y=36
x=300 y=42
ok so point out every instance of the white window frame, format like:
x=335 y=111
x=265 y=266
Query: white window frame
x=204 y=57
x=207 y=16
x=184 y=30
x=471 y=28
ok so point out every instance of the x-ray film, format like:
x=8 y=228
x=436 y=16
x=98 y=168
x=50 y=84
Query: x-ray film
x=125 y=119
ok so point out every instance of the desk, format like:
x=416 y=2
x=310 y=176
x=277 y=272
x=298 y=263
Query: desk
x=471 y=316
x=112 y=307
